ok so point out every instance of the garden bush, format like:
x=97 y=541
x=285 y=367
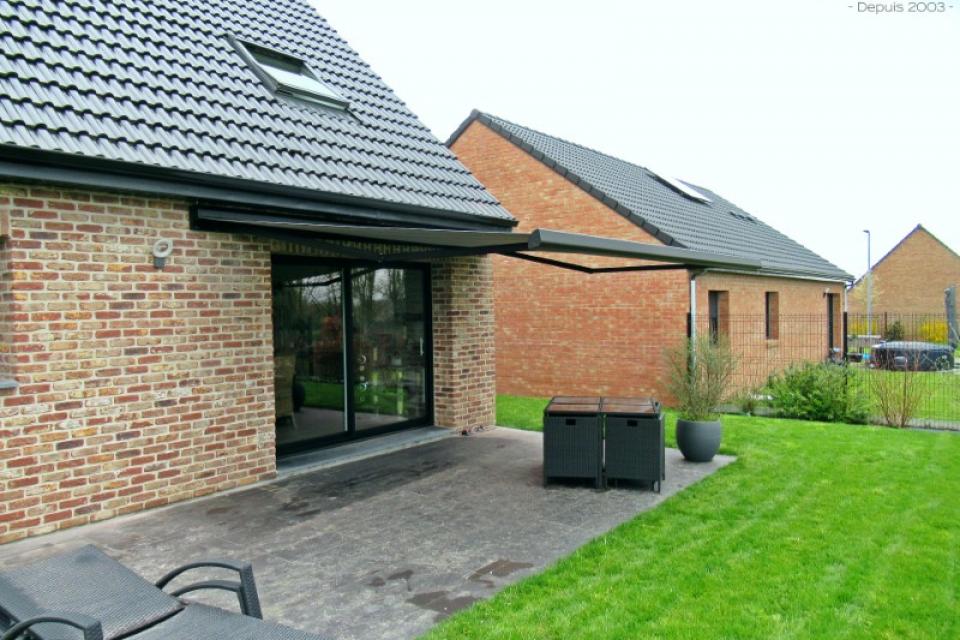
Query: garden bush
x=825 y=392
x=894 y=332
x=897 y=395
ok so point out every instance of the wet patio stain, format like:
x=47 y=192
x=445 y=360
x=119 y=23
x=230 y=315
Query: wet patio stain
x=405 y=575
x=498 y=569
x=442 y=603
x=321 y=497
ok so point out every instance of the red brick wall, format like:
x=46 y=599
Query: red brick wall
x=560 y=331
x=912 y=279
x=563 y=332
x=141 y=387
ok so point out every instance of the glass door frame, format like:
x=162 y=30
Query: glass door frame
x=350 y=432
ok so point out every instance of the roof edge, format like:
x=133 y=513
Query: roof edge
x=453 y=137
x=773 y=272
x=583 y=184
x=19 y=164
x=920 y=227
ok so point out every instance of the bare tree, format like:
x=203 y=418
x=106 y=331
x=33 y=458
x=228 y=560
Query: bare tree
x=898 y=394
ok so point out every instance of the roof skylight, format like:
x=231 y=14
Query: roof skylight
x=743 y=216
x=291 y=76
x=683 y=188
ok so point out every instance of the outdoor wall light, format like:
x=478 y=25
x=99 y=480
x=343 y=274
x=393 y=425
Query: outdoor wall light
x=162 y=249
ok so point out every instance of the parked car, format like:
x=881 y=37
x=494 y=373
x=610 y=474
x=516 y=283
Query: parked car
x=919 y=356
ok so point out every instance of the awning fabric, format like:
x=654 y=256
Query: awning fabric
x=445 y=242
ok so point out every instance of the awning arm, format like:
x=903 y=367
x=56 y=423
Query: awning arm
x=582 y=269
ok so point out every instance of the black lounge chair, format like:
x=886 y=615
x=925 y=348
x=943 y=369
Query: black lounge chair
x=86 y=595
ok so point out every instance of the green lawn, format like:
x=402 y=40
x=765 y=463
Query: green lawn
x=816 y=531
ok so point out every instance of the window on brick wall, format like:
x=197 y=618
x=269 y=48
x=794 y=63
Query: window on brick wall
x=772 y=315
x=719 y=308
x=834 y=323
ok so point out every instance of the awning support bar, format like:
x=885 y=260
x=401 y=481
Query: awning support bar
x=582 y=269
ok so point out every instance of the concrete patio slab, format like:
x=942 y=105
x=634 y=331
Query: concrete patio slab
x=384 y=547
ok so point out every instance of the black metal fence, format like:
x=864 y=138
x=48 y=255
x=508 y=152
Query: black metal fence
x=767 y=346
x=929 y=363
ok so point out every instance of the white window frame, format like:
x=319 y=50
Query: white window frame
x=303 y=84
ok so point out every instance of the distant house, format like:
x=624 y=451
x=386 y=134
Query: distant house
x=562 y=331
x=910 y=279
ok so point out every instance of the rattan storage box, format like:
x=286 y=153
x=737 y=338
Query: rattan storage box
x=573 y=439
x=634 y=440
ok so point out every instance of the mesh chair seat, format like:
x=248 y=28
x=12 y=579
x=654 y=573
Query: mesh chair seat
x=88 y=582
x=200 y=622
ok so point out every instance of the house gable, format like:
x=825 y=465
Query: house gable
x=537 y=194
x=911 y=277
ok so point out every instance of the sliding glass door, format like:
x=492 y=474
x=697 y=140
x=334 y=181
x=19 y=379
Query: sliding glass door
x=389 y=346
x=351 y=350
x=309 y=362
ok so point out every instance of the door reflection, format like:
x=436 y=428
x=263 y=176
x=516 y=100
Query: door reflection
x=309 y=380
x=389 y=351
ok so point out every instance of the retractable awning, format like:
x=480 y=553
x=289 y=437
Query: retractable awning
x=430 y=243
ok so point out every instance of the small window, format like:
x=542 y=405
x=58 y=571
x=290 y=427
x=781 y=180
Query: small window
x=719 y=307
x=772 y=315
x=291 y=76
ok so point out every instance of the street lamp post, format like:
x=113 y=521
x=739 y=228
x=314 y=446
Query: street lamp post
x=869 y=278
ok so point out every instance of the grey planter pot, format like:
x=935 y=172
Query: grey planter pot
x=698 y=441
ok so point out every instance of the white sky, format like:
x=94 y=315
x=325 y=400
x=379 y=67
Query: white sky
x=818 y=119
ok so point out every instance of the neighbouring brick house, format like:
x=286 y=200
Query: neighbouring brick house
x=560 y=331
x=225 y=239
x=911 y=278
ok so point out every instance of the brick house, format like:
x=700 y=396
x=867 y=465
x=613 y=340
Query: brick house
x=605 y=333
x=911 y=278
x=225 y=239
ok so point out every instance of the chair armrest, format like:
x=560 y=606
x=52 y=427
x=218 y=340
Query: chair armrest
x=92 y=629
x=246 y=589
x=222 y=585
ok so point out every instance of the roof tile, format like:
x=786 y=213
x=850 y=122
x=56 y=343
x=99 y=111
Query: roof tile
x=158 y=83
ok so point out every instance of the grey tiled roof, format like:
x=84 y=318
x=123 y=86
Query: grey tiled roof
x=157 y=83
x=718 y=226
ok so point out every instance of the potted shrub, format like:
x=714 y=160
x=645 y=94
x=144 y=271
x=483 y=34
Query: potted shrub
x=699 y=376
